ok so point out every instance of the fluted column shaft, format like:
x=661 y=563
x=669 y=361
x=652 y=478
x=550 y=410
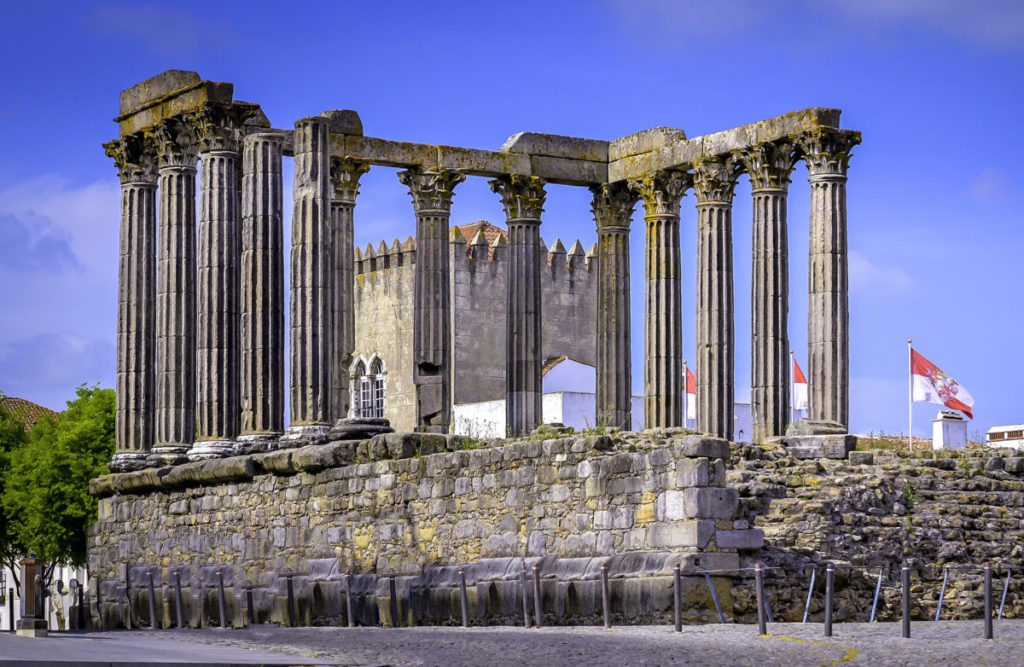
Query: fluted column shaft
x=714 y=183
x=345 y=179
x=612 y=208
x=523 y=200
x=312 y=277
x=262 y=288
x=663 y=321
x=136 y=314
x=827 y=155
x=769 y=167
x=176 y=295
x=432 y=336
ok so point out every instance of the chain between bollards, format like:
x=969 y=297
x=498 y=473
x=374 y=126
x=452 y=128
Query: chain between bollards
x=1006 y=589
x=988 y=600
x=714 y=597
x=605 y=605
x=463 y=602
x=830 y=574
x=677 y=597
x=762 y=627
x=905 y=575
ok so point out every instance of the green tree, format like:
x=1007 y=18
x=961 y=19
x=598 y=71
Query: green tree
x=47 y=490
x=12 y=436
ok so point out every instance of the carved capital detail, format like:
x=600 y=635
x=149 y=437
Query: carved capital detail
x=769 y=165
x=135 y=158
x=219 y=127
x=345 y=173
x=714 y=179
x=827 y=151
x=431 y=190
x=662 y=191
x=521 y=196
x=176 y=144
x=613 y=205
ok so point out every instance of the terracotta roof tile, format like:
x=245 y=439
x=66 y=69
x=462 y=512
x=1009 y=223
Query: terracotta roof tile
x=490 y=231
x=26 y=411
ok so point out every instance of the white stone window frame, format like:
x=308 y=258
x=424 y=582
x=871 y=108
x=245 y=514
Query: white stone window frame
x=369 y=387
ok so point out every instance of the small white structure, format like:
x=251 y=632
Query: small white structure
x=949 y=430
x=1006 y=436
x=58 y=605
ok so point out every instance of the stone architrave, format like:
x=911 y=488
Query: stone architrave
x=432 y=193
x=218 y=354
x=523 y=200
x=714 y=181
x=312 y=279
x=662 y=192
x=769 y=167
x=136 y=314
x=262 y=293
x=613 y=207
x=345 y=175
x=826 y=152
x=176 y=294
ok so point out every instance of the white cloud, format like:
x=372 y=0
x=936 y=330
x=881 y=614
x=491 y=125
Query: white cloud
x=867 y=276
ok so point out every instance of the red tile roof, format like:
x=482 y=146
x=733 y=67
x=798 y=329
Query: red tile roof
x=490 y=231
x=26 y=411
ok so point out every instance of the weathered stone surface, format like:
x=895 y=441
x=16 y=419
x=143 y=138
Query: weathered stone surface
x=358 y=428
x=154 y=88
x=700 y=445
x=314 y=458
x=706 y=503
x=818 y=446
x=861 y=458
x=644 y=142
x=816 y=427
x=752 y=538
x=695 y=533
x=554 y=145
x=344 y=121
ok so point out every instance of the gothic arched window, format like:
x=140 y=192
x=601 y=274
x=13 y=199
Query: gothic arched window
x=368 y=390
x=377 y=379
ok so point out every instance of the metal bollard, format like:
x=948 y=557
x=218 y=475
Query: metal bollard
x=10 y=608
x=1006 y=589
x=874 y=603
x=942 y=592
x=677 y=597
x=290 y=585
x=394 y=602
x=464 y=603
x=152 y=602
x=605 y=606
x=220 y=598
x=250 y=607
x=906 y=601
x=829 y=583
x=988 y=600
x=810 y=592
x=177 y=599
x=762 y=627
x=539 y=620
x=81 y=606
x=526 y=606
x=714 y=597
x=348 y=600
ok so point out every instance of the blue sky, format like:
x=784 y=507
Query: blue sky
x=935 y=194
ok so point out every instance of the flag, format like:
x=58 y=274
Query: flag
x=691 y=395
x=931 y=384
x=799 y=388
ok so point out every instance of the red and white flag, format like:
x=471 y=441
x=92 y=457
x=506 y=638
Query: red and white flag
x=691 y=395
x=931 y=384
x=799 y=388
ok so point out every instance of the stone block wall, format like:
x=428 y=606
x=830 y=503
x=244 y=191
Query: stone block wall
x=567 y=504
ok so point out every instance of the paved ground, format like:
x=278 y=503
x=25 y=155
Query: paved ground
x=942 y=643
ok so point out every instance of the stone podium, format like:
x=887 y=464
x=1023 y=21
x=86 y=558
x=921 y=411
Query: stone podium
x=33 y=621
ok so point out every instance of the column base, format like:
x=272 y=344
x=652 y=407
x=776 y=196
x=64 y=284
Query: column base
x=211 y=449
x=305 y=434
x=128 y=461
x=32 y=627
x=168 y=455
x=256 y=443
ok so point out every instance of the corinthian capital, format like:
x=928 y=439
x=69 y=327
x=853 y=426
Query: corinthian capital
x=827 y=151
x=769 y=165
x=345 y=173
x=431 y=190
x=662 y=191
x=175 y=143
x=714 y=179
x=219 y=127
x=135 y=158
x=612 y=205
x=521 y=196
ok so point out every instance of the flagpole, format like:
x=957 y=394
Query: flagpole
x=910 y=396
x=792 y=391
x=686 y=397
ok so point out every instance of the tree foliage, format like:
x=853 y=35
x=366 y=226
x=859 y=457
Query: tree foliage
x=12 y=436
x=47 y=487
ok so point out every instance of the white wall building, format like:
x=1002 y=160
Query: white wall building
x=56 y=605
x=1006 y=436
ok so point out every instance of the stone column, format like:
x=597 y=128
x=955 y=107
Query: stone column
x=432 y=340
x=769 y=167
x=827 y=154
x=345 y=175
x=312 y=277
x=661 y=192
x=523 y=200
x=176 y=294
x=714 y=181
x=136 y=313
x=613 y=207
x=262 y=294
x=220 y=247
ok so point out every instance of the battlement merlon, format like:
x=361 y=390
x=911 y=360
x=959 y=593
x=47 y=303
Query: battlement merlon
x=556 y=159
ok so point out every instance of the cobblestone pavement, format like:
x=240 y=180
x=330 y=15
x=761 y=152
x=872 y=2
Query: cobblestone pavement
x=941 y=643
